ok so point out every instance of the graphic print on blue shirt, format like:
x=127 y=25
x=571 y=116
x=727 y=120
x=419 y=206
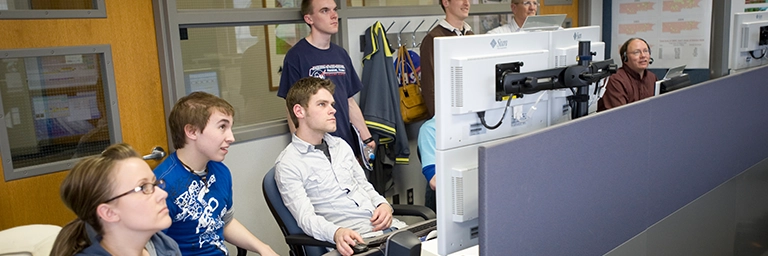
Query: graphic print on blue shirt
x=324 y=71
x=193 y=207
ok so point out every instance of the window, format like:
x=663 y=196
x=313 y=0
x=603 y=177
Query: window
x=52 y=9
x=56 y=107
x=236 y=4
x=243 y=63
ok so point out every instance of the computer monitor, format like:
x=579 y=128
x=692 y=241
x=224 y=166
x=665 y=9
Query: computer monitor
x=543 y=22
x=674 y=72
x=465 y=87
x=674 y=83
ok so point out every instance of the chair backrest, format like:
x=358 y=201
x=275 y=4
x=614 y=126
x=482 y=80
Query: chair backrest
x=284 y=218
x=34 y=240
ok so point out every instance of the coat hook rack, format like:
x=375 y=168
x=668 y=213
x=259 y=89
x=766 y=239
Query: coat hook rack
x=413 y=43
x=433 y=24
x=400 y=32
x=390 y=26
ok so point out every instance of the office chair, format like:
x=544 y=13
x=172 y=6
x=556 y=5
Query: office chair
x=302 y=244
x=36 y=239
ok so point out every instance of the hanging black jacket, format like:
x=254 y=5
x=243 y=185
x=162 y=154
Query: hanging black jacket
x=380 y=98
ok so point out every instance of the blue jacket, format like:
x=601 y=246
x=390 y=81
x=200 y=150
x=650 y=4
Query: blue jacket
x=380 y=98
x=164 y=245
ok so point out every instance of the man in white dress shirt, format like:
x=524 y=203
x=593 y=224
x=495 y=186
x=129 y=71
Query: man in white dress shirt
x=319 y=178
x=521 y=9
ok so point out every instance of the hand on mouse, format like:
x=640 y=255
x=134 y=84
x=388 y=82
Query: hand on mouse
x=345 y=238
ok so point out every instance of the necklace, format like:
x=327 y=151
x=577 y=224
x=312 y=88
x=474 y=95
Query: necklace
x=202 y=177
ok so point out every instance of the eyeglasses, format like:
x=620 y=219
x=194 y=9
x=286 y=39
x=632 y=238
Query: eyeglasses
x=637 y=52
x=529 y=3
x=147 y=188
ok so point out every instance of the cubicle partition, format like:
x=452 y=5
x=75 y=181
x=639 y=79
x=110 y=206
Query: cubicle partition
x=589 y=185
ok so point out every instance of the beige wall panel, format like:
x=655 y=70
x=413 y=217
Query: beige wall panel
x=129 y=29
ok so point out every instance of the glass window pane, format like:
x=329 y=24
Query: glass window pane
x=47 y=5
x=241 y=65
x=483 y=23
x=361 y=3
x=236 y=4
x=57 y=108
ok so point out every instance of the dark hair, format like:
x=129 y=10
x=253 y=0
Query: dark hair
x=88 y=185
x=306 y=7
x=302 y=90
x=623 y=48
x=194 y=109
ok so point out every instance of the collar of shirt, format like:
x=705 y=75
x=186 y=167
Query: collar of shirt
x=633 y=74
x=305 y=147
x=459 y=32
x=513 y=26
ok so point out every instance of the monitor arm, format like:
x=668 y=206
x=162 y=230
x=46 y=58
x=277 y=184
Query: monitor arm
x=510 y=82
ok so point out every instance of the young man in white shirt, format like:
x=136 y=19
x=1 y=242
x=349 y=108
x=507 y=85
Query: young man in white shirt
x=319 y=179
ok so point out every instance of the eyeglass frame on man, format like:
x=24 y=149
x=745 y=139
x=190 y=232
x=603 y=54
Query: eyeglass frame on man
x=638 y=52
x=141 y=188
x=528 y=3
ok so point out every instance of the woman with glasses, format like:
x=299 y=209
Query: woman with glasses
x=120 y=207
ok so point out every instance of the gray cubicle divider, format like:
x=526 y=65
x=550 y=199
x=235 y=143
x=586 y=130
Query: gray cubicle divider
x=586 y=186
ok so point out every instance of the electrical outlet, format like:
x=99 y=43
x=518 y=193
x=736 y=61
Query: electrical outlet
x=410 y=196
x=396 y=199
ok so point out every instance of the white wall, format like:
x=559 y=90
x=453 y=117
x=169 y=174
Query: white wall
x=249 y=161
x=596 y=11
x=357 y=27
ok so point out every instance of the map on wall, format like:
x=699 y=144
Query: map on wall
x=677 y=30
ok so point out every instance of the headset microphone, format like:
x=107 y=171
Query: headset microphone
x=650 y=61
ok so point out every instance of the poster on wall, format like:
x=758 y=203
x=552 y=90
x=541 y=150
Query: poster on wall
x=677 y=30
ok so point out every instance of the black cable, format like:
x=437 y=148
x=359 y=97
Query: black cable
x=481 y=115
x=752 y=53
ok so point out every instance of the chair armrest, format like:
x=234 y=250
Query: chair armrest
x=413 y=210
x=306 y=240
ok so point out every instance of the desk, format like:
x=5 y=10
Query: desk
x=428 y=248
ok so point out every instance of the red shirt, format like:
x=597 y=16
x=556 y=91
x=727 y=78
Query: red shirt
x=626 y=86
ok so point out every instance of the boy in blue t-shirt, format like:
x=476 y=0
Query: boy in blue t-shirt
x=199 y=186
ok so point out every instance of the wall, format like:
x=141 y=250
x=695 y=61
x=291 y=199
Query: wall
x=572 y=11
x=129 y=29
x=249 y=161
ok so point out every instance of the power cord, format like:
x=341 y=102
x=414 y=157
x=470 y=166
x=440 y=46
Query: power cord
x=752 y=53
x=481 y=115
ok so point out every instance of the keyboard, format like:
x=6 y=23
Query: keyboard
x=419 y=229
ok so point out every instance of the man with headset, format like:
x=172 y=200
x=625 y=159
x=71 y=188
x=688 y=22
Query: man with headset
x=632 y=82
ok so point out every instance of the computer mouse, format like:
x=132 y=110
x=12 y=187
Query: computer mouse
x=432 y=234
x=359 y=247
